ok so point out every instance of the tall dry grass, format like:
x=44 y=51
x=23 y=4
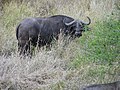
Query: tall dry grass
x=48 y=71
x=68 y=68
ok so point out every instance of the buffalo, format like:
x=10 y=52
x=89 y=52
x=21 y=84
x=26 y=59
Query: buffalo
x=41 y=31
x=108 y=86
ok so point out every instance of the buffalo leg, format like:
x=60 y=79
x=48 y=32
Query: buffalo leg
x=24 y=47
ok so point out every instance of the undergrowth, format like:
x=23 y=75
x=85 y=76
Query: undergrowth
x=100 y=45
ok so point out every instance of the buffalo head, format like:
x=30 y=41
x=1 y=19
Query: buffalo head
x=76 y=27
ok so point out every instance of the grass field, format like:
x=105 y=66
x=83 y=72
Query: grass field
x=91 y=59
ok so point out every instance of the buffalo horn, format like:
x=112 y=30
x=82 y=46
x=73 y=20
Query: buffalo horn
x=70 y=23
x=86 y=23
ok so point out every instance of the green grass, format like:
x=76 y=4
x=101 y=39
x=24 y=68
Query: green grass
x=101 y=44
x=98 y=55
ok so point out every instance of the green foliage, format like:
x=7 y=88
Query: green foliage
x=100 y=45
x=106 y=41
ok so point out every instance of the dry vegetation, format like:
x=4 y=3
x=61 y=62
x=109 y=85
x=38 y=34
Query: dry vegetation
x=93 y=58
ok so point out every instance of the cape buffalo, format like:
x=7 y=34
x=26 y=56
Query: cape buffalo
x=108 y=86
x=41 y=31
